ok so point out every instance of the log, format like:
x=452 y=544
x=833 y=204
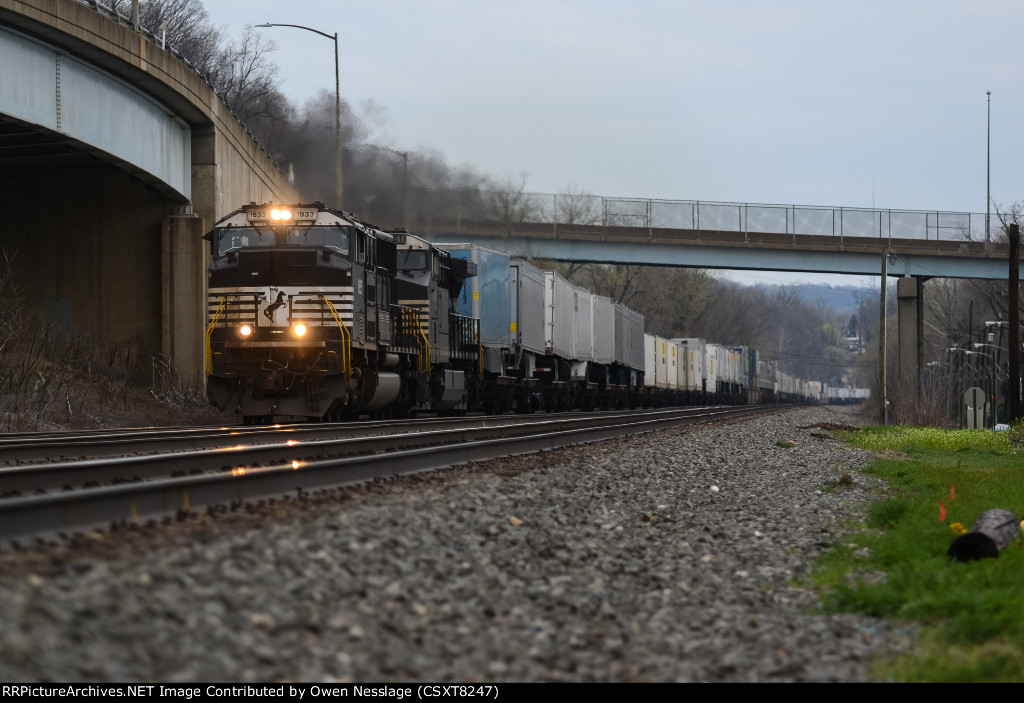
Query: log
x=991 y=533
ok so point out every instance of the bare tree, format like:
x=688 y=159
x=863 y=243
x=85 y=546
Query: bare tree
x=187 y=25
x=511 y=203
x=577 y=206
x=246 y=78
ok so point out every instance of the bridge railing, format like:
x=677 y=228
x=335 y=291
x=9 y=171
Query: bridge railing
x=753 y=218
x=468 y=208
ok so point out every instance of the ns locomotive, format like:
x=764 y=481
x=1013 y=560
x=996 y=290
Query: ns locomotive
x=315 y=314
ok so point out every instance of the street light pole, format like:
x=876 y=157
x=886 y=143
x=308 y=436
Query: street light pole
x=337 y=107
x=988 y=165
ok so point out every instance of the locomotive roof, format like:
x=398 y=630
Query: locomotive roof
x=311 y=214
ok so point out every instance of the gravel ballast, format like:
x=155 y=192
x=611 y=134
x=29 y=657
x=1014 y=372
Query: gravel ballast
x=665 y=557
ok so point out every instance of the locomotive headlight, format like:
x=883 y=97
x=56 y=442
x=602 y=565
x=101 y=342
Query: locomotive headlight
x=245 y=330
x=299 y=329
x=280 y=215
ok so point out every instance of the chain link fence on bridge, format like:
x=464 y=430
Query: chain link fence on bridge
x=461 y=210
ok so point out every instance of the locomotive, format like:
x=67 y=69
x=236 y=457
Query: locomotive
x=315 y=314
x=305 y=318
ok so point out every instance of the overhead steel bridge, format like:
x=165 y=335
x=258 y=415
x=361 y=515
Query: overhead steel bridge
x=739 y=236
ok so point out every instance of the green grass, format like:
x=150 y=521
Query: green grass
x=972 y=614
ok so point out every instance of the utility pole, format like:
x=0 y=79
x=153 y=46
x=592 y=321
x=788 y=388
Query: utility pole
x=881 y=345
x=1013 y=234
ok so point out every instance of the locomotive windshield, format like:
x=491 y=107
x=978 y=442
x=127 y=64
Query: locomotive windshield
x=412 y=260
x=336 y=238
x=234 y=239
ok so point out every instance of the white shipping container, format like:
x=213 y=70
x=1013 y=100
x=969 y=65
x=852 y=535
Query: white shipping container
x=527 y=302
x=629 y=337
x=650 y=360
x=661 y=362
x=693 y=350
x=559 y=302
x=583 y=325
x=672 y=361
x=604 y=330
x=712 y=367
x=681 y=364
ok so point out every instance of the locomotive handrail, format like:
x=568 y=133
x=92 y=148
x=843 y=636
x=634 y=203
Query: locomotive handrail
x=346 y=338
x=209 y=333
x=425 y=356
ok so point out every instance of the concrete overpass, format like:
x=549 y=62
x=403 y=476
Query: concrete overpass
x=116 y=156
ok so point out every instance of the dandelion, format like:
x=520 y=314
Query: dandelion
x=957 y=528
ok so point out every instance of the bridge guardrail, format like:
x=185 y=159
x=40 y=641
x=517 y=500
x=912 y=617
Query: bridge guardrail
x=754 y=217
x=455 y=210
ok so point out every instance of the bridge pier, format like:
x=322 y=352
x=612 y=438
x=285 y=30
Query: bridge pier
x=183 y=286
x=910 y=324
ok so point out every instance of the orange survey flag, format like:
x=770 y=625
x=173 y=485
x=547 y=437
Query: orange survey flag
x=952 y=492
x=942 y=511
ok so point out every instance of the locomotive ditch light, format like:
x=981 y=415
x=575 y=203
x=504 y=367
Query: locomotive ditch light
x=245 y=330
x=299 y=329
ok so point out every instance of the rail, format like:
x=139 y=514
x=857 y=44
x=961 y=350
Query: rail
x=263 y=471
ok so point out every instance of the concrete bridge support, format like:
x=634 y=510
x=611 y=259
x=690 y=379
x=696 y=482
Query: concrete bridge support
x=183 y=284
x=910 y=323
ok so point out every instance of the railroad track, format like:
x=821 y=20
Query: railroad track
x=127 y=481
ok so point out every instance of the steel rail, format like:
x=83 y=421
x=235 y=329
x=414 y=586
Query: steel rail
x=50 y=515
x=19 y=480
x=23 y=449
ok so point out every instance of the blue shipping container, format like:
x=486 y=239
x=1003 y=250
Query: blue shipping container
x=488 y=295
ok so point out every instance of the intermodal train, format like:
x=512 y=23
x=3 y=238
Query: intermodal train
x=317 y=315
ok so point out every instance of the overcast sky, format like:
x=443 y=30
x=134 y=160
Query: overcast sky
x=806 y=102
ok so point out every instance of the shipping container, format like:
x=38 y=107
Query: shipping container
x=629 y=337
x=488 y=295
x=682 y=354
x=559 y=315
x=528 y=301
x=712 y=367
x=604 y=329
x=650 y=360
x=661 y=365
x=583 y=325
x=694 y=350
x=673 y=360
